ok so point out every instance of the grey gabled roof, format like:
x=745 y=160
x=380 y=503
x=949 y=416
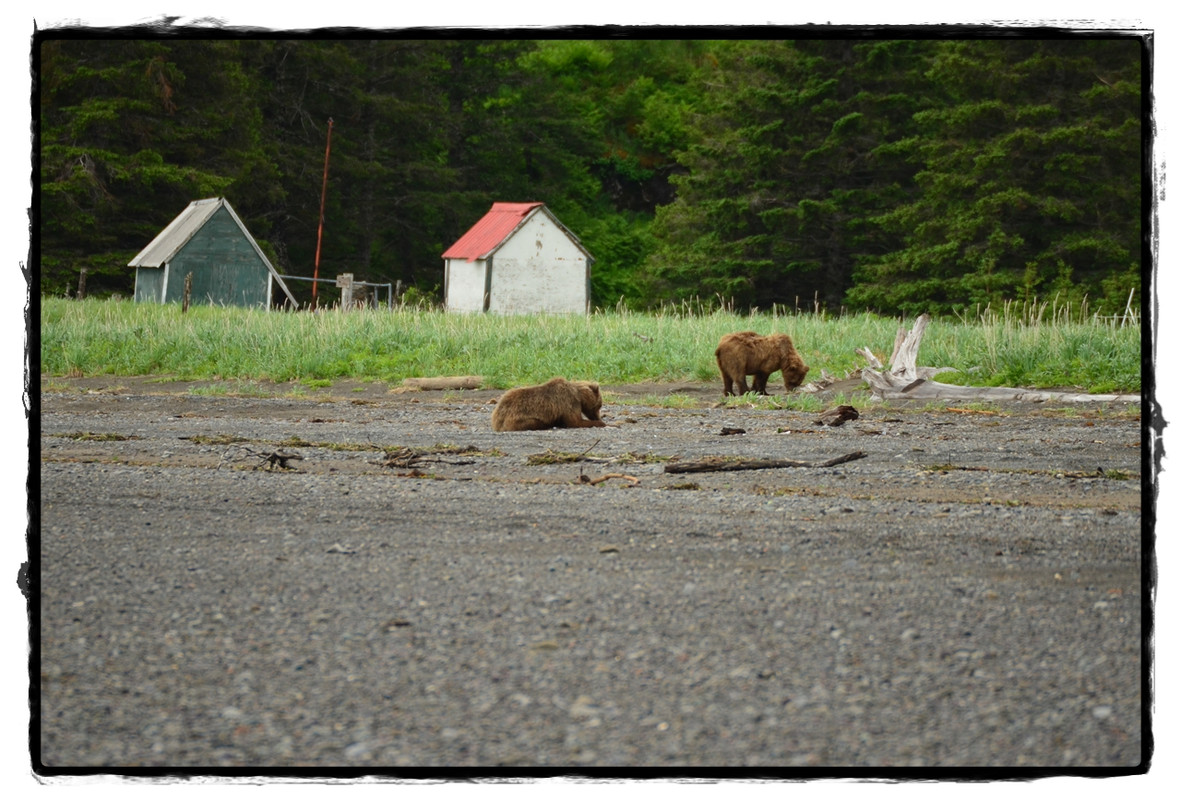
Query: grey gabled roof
x=178 y=233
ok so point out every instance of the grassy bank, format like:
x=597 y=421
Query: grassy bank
x=1037 y=346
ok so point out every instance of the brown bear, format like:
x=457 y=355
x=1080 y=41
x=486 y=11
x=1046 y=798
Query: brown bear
x=748 y=353
x=558 y=403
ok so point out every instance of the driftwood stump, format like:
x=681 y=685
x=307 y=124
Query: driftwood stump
x=836 y=417
x=905 y=380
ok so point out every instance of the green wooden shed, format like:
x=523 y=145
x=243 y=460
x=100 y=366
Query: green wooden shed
x=208 y=241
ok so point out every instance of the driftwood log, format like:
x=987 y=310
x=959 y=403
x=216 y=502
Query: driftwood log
x=733 y=465
x=437 y=384
x=905 y=380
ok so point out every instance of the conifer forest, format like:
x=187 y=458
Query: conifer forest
x=896 y=175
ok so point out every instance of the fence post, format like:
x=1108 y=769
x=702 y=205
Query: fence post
x=82 y=284
x=345 y=282
x=184 y=306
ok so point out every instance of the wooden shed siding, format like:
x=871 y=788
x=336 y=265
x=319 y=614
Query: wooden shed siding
x=149 y=285
x=209 y=241
x=225 y=268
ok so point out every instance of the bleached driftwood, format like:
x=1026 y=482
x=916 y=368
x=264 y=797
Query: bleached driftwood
x=905 y=380
x=631 y=479
x=458 y=382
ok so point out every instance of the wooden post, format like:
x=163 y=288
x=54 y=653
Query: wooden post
x=184 y=306
x=345 y=282
x=82 y=283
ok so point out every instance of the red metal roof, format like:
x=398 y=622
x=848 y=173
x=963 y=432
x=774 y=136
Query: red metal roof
x=490 y=230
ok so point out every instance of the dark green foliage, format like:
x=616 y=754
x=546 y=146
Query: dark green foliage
x=782 y=171
x=1028 y=178
x=892 y=175
x=131 y=132
x=910 y=176
x=388 y=172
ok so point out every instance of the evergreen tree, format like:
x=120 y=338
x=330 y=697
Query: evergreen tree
x=1028 y=180
x=391 y=175
x=387 y=176
x=634 y=98
x=131 y=132
x=784 y=168
x=520 y=132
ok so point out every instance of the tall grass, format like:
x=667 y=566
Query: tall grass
x=112 y=337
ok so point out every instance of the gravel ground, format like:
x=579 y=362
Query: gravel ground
x=416 y=593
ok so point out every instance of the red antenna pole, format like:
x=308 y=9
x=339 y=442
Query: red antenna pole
x=323 y=194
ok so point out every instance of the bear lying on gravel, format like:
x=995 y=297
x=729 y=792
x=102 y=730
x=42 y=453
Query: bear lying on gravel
x=558 y=403
x=748 y=353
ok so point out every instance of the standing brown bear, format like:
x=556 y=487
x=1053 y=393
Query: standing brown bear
x=748 y=353
x=558 y=403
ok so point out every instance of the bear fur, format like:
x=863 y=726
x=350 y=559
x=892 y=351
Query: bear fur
x=558 y=403
x=748 y=353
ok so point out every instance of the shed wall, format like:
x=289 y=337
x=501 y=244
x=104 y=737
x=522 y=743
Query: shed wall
x=149 y=284
x=539 y=270
x=226 y=268
x=465 y=284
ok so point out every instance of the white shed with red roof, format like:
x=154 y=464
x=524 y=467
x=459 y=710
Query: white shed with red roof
x=517 y=259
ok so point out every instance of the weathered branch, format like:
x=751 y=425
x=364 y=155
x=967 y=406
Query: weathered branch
x=406 y=457
x=731 y=465
x=268 y=460
x=933 y=390
x=905 y=380
x=836 y=417
x=632 y=480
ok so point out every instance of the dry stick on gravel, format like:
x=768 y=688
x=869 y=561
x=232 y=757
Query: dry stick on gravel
x=551 y=457
x=273 y=459
x=404 y=457
x=723 y=465
x=634 y=481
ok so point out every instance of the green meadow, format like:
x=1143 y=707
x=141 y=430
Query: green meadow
x=1038 y=345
